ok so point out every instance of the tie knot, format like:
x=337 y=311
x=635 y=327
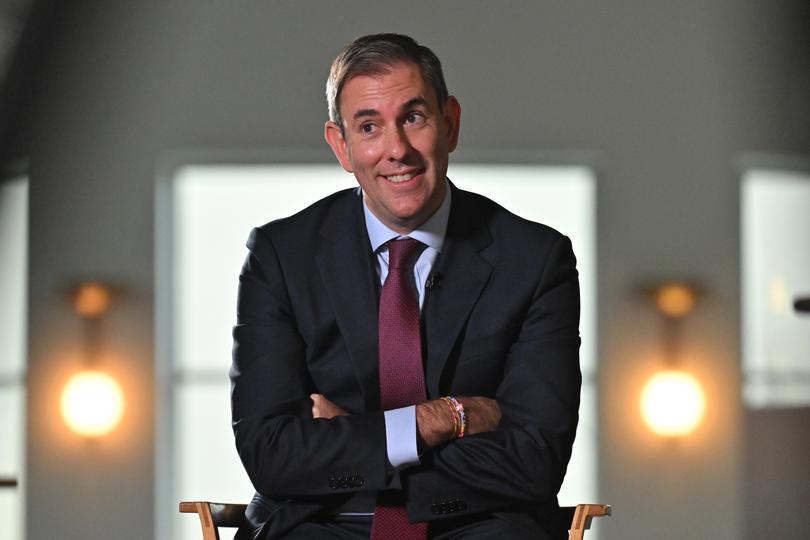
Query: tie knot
x=401 y=251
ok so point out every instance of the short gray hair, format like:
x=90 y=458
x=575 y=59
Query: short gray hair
x=375 y=54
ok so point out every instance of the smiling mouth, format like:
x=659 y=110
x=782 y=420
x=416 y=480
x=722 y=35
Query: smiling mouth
x=400 y=178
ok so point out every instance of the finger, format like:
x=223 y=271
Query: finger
x=317 y=405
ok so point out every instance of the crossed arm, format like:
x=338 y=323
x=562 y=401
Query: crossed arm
x=434 y=419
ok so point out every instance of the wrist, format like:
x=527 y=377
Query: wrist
x=434 y=424
x=459 y=416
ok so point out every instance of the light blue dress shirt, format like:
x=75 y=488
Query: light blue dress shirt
x=400 y=424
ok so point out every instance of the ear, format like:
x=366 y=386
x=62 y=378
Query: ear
x=452 y=120
x=334 y=138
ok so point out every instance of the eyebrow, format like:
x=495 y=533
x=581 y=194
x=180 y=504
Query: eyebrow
x=363 y=113
x=414 y=102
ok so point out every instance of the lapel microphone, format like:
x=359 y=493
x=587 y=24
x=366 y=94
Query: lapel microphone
x=433 y=280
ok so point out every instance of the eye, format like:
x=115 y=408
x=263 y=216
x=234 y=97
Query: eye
x=367 y=128
x=414 y=118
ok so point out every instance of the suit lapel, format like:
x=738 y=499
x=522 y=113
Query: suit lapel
x=463 y=276
x=346 y=267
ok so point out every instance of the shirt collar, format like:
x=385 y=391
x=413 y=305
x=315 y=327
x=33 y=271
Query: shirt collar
x=431 y=232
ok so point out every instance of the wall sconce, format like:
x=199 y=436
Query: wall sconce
x=672 y=401
x=92 y=402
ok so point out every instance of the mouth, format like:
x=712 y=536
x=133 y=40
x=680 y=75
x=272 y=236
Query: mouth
x=401 y=178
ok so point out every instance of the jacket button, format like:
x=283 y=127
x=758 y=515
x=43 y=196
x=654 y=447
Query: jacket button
x=332 y=483
x=462 y=504
x=434 y=508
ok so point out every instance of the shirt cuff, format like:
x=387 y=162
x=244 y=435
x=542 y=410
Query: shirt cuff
x=400 y=437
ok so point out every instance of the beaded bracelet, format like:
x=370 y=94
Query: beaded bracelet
x=456 y=420
x=459 y=418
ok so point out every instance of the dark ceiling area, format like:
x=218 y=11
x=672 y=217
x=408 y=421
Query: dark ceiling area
x=13 y=14
x=23 y=24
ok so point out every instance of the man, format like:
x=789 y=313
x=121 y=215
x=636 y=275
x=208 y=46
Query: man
x=406 y=353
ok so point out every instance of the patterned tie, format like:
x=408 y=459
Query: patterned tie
x=402 y=379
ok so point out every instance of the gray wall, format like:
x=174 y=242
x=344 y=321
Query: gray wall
x=777 y=479
x=666 y=95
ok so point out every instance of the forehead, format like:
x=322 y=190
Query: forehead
x=395 y=85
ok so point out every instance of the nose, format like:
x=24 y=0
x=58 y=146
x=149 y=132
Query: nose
x=397 y=144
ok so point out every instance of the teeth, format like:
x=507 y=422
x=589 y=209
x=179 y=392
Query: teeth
x=396 y=178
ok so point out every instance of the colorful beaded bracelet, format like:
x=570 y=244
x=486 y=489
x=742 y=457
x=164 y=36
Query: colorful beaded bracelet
x=459 y=418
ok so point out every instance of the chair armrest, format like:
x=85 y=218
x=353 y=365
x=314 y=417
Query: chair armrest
x=581 y=517
x=213 y=515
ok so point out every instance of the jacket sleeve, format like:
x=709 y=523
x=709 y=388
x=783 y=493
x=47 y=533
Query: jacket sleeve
x=286 y=452
x=525 y=459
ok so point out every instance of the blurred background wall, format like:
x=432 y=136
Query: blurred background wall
x=664 y=98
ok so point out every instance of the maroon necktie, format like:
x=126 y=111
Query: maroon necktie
x=402 y=379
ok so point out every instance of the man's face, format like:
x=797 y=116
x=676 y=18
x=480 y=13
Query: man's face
x=396 y=141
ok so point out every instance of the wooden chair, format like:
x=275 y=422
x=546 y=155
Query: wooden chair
x=213 y=515
x=581 y=516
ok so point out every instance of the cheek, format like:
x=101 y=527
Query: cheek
x=430 y=146
x=369 y=155
x=362 y=162
x=364 y=158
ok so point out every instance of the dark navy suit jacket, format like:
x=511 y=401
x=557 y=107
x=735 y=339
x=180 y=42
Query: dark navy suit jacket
x=500 y=321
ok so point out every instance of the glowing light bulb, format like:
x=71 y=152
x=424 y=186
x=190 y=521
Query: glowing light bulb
x=675 y=299
x=91 y=300
x=92 y=403
x=672 y=403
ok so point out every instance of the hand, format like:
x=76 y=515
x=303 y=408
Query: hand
x=483 y=414
x=323 y=408
x=435 y=422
